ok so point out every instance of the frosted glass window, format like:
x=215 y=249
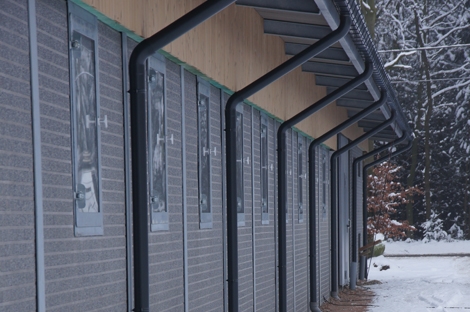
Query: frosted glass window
x=158 y=140
x=300 y=178
x=204 y=155
x=239 y=167
x=264 y=170
x=86 y=122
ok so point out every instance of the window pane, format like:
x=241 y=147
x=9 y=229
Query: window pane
x=83 y=58
x=264 y=168
x=204 y=153
x=239 y=156
x=300 y=181
x=157 y=146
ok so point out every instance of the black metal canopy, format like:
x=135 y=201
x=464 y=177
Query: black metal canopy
x=300 y=23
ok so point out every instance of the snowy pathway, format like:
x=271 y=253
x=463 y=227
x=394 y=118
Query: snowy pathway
x=414 y=284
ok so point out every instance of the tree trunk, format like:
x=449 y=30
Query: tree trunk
x=427 y=118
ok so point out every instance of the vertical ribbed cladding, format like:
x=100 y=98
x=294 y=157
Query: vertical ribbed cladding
x=365 y=45
x=17 y=228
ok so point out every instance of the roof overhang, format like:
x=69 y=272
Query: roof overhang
x=300 y=23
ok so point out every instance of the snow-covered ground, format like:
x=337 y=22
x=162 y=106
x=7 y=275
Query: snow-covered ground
x=417 y=284
x=431 y=248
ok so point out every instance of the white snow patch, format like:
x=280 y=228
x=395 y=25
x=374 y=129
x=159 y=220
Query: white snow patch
x=422 y=283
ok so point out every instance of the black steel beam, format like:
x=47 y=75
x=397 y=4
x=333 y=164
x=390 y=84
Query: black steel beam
x=353 y=103
x=296 y=30
x=281 y=5
x=329 y=55
x=337 y=70
x=138 y=96
x=231 y=139
x=328 y=81
x=361 y=95
x=376 y=116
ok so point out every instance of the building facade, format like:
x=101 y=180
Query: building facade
x=66 y=170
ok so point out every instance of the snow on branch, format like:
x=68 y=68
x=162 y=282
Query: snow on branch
x=450 y=88
x=393 y=62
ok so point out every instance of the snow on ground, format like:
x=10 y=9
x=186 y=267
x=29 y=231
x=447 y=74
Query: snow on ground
x=431 y=248
x=414 y=284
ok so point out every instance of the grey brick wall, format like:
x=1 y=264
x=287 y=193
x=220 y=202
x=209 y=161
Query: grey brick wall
x=89 y=273
x=86 y=273
x=264 y=234
x=17 y=241
x=166 y=247
x=205 y=248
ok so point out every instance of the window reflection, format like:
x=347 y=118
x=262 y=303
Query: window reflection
x=86 y=122
x=157 y=141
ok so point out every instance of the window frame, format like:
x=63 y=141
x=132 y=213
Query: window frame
x=240 y=162
x=264 y=168
x=159 y=219
x=300 y=178
x=205 y=218
x=82 y=24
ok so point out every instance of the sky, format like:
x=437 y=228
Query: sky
x=430 y=283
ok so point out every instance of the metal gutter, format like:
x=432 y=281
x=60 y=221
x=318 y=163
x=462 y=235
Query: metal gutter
x=231 y=139
x=127 y=169
x=334 y=205
x=353 y=275
x=139 y=142
x=364 y=191
x=37 y=159
x=314 y=302
x=358 y=43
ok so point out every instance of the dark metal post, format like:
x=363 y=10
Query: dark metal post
x=334 y=205
x=354 y=201
x=364 y=194
x=231 y=139
x=314 y=303
x=139 y=137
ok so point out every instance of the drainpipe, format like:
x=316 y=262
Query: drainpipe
x=231 y=139
x=353 y=275
x=139 y=137
x=334 y=208
x=364 y=197
x=282 y=172
x=314 y=302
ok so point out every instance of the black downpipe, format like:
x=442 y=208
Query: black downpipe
x=314 y=302
x=282 y=171
x=231 y=139
x=138 y=95
x=354 y=187
x=364 y=191
x=356 y=162
x=334 y=205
